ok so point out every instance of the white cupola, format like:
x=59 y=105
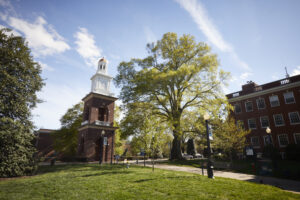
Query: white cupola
x=101 y=81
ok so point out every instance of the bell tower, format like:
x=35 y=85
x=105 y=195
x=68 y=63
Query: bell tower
x=96 y=134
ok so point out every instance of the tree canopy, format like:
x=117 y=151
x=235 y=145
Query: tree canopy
x=66 y=138
x=20 y=79
x=178 y=75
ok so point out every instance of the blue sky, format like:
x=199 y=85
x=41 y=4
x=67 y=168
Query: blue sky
x=254 y=40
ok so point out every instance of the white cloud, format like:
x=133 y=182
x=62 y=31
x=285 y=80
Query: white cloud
x=296 y=71
x=14 y=32
x=205 y=24
x=41 y=37
x=46 y=67
x=245 y=75
x=150 y=36
x=86 y=47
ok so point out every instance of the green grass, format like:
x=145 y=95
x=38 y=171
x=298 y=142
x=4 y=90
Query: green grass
x=92 y=181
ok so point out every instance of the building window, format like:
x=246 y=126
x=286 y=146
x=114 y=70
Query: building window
x=297 y=138
x=237 y=108
x=294 y=118
x=278 y=120
x=255 y=141
x=274 y=101
x=261 y=103
x=267 y=140
x=283 y=140
x=249 y=106
x=251 y=123
x=264 y=121
x=289 y=97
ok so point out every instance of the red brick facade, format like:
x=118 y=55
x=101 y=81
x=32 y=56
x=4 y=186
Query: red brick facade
x=96 y=135
x=282 y=115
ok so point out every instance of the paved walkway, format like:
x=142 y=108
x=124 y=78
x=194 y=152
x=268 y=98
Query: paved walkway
x=289 y=185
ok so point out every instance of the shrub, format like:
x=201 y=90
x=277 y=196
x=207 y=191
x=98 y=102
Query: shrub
x=293 y=152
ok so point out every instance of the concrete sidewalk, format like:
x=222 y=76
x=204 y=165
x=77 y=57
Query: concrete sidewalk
x=289 y=185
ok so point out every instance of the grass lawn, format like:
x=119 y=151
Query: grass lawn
x=91 y=181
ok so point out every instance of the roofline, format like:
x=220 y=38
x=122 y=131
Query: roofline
x=92 y=94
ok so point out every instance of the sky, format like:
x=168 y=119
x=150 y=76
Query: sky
x=254 y=40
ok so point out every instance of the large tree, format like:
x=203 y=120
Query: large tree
x=178 y=74
x=19 y=81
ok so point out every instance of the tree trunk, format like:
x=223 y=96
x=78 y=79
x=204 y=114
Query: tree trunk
x=176 y=149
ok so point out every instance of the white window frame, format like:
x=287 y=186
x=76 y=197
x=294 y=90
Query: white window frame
x=271 y=101
x=249 y=124
x=264 y=103
x=295 y=137
x=285 y=97
x=291 y=120
x=255 y=145
x=240 y=108
x=261 y=122
x=266 y=136
x=246 y=106
x=282 y=120
x=287 y=137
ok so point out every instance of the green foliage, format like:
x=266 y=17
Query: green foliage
x=16 y=149
x=119 y=142
x=229 y=136
x=66 y=138
x=178 y=75
x=19 y=81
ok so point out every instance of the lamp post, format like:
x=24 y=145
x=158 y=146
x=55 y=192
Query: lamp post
x=101 y=147
x=210 y=172
x=268 y=131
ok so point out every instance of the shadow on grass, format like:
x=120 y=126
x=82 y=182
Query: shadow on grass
x=78 y=168
x=107 y=173
x=171 y=177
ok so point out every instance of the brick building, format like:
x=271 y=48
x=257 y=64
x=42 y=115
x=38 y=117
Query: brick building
x=44 y=142
x=275 y=105
x=96 y=134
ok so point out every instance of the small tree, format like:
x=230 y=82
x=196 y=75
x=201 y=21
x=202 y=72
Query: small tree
x=20 y=79
x=229 y=136
x=66 y=138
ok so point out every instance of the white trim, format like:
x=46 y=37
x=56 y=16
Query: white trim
x=282 y=120
x=257 y=103
x=287 y=137
x=292 y=95
x=291 y=120
x=263 y=92
x=261 y=121
x=246 y=106
x=271 y=102
x=255 y=124
x=295 y=137
x=240 y=108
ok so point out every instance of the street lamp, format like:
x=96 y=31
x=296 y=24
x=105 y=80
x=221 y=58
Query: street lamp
x=268 y=130
x=210 y=172
x=101 y=147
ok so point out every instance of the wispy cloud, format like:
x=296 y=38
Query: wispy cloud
x=296 y=71
x=150 y=36
x=45 y=67
x=86 y=47
x=205 y=24
x=245 y=75
x=41 y=37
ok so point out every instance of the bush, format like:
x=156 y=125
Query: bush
x=191 y=147
x=293 y=152
x=16 y=150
